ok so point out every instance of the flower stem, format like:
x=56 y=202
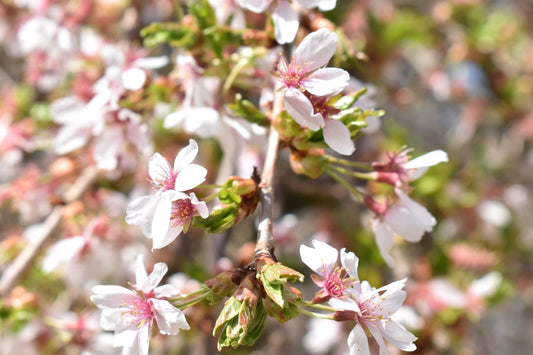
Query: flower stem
x=209 y=187
x=210 y=197
x=343 y=182
x=318 y=306
x=364 y=176
x=189 y=303
x=316 y=315
x=345 y=162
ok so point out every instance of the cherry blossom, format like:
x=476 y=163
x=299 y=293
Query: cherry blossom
x=166 y=214
x=333 y=280
x=131 y=314
x=372 y=309
x=305 y=75
x=405 y=218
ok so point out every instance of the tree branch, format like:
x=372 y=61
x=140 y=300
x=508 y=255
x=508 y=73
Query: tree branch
x=24 y=259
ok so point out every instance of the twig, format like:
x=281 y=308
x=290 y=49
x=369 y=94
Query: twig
x=24 y=259
x=265 y=239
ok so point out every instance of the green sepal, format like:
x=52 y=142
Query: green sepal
x=289 y=310
x=274 y=277
x=219 y=220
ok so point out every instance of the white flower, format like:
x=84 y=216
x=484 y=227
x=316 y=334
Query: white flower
x=333 y=280
x=405 y=218
x=304 y=75
x=372 y=309
x=166 y=214
x=132 y=314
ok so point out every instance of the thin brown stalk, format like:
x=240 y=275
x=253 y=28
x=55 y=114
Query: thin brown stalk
x=25 y=258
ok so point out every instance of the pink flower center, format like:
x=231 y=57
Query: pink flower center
x=167 y=181
x=335 y=283
x=182 y=212
x=320 y=105
x=139 y=311
x=372 y=310
x=291 y=75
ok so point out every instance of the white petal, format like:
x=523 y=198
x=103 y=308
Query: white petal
x=202 y=121
x=337 y=137
x=71 y=137
x=420 y=212
x=398 y=336
x=286 y=22
x=256 y=6
x=142 y=344
x=358 y=341
x=350 y=262
x=176 y=118
x=166 y=291
x=62 y=252
x=152 y=62
x=327 y=81
x=301 y=110
x=169 y=318
x=486 y=285
x=66 y=110
x=140 y=212
x=133 y=78
x=429 y=159
x=159 y=168
x=321 y=258
x=155 y=277
x=172 y=233
x=186 y=155
x=107 y=147
x=189 y=177
x=316 y=49
x=200 y=206
x=347 y=304
x=161 y=221
x=110 y=296
x=383 y=235
x=376 y=333
x=327 y=5
x=140 y=271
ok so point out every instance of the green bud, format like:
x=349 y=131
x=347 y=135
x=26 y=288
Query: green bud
x=247 y=110
x=289 y=310
x=310 y=163
x=219 y=220
x=274 y=276
x=223 y=285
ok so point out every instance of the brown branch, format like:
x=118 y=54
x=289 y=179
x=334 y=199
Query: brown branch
x=265 y=239
x=24 y=259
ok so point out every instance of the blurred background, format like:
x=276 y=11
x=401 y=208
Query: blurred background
x=455 y=75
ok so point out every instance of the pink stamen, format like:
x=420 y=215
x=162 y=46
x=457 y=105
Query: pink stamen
x=139 y=311
x=167 y=182
x=182 y=212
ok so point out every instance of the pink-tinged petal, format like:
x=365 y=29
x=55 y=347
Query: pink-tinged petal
x=350 y=262
x=140 y=271
x=376 y=333
x=398 y=336
x=286 y=22
x=257 y=6
x=420 y=213
x=155 y=277
x=71 y=137
x=383 y=235
x=140 y=212
x=186 y=156
x=358 y=341
x=170 y=320
x=172 y=233
x=166 y=291
x=347 y=304
x=158 y=168
x=327 y=81
x=316 y=49
x=109 y=296
x=161 y=221
x=189 y=177
x=301 y=110
x=200 y=206
x=66 y=110
x=133 y=78
x=337 y=136
x=62 y=252
x=321 y=258
x=429 y=159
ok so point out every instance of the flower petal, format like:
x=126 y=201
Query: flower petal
x=186 y=156
x=383 y=234
x=155 y=277
x=256 y=6
x=429 y=159
x=161 y=221
x=316 y=49
x=109 y=296
x=350 y=261
x=62 y=252
x=159 y=168
x=133 y=78
x=166 y=291
x=200 y=206
x=189 y=177
x=398 y=336
x=321 y=258
x=140 y=212
x=358 y=341
x=337 y=136
x=172 y=233
x=140 y=271
x=376 y=333
x=301 y=110
x=327 y=81
x=286 y=22
x=169 y=318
